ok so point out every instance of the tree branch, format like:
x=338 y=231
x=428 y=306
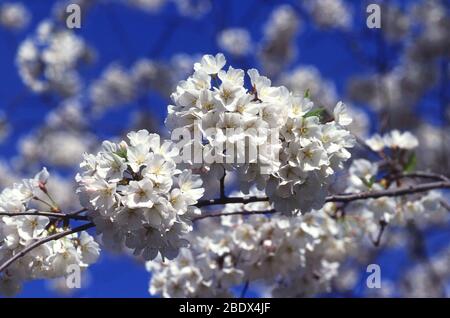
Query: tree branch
x=218 y=214
x=445 y=205
x=422 y=174
x=74 y=216
x=344 y=198
x=42 y=241
x=229 y=200
x=412 y=189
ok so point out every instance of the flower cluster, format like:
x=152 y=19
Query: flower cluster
x=330 y=13
x=118 y=86
x=323 y=92
x=271 y=249
x=277 y=47
x=235 y=41
x=287 y=256
x=396 y=92
x=65 y=127
x=364 y=176
x=297 y=152
x=49 y=260
x=47 y=61
x=394 y=140
x=137 y=196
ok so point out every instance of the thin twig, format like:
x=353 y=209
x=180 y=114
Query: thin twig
x=245 y=289
x=229 y=200
x=222 y=185
x=422 y=174
x=383 y=225
x=42 y=241
x=77 y=212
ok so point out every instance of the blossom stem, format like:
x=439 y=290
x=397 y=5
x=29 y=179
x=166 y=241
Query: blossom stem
x=245 y=288
x=222 y=186
x=383 y=225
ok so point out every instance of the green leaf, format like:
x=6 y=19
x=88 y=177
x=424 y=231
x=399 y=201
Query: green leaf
x=368 y=183
x=411 y=163
x=122 y=152
x=307 y=94
x=319 y=112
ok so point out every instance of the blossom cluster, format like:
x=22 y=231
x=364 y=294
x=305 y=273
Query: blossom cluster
x=396 y=210
x=330 y=13
x=47 y=60
x=137 y=197
x=235 y=41
x=118 y=86
x=289 y=256
x=277 y=47
x=64 y=128
x=423 y=30
x=49 y=260
x=271 y=249
x=394 y=140
x=298 y=152
x=323 y=92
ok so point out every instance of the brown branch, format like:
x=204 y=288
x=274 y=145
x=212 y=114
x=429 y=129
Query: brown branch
x=412 y=189
x=73 y=216
x=445 y=205
x=229 y=200
x=42 y=241
x=218 y=214
x=344 y=198
x=422 y=174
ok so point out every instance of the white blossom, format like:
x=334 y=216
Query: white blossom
x=49 y=260
x=144 y=203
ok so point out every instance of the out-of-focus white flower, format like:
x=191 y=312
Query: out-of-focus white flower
x=405 y=140
x=330 y=13
x=394 y=139
x=47 y=61
x=14 y=15
x=148 y=5
x=235 y=41
x=277 y=49
x=376 y=142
